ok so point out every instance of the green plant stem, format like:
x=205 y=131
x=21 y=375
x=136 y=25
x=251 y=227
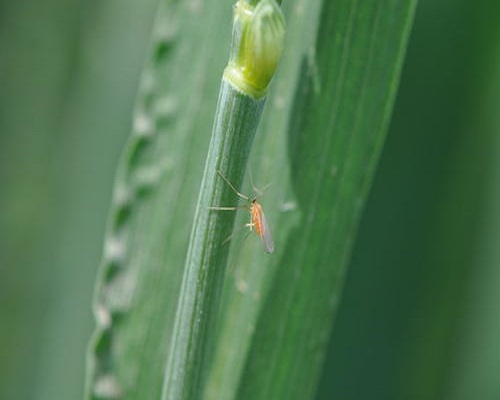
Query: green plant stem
x=257 y=43
x=236 y=121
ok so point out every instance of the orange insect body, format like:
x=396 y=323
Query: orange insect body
x=260 y=225
x=256 y=213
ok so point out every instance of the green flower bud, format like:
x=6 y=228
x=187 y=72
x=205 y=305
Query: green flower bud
x=258 y=36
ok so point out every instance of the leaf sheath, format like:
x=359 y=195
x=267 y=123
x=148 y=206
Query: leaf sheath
x=234 y=128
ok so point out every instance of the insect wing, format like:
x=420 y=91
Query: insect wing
x=267 y=239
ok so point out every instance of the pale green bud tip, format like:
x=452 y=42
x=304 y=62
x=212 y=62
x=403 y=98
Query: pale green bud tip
x=262 y=33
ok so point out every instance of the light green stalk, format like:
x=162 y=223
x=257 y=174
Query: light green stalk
x=258 y=33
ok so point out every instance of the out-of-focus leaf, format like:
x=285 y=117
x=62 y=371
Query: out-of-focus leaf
x=154 y=200
x=401 y=323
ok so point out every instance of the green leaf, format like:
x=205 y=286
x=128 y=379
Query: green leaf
x=318 y=144
x=278 y=312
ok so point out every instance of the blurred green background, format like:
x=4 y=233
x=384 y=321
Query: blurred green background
x=419 y=316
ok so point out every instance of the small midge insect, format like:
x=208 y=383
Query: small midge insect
x=258 y=220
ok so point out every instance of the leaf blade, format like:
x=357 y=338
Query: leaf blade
x=339 y=118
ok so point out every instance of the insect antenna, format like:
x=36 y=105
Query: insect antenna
x=258 y=192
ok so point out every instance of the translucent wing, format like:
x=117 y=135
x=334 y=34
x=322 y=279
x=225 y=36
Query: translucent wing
x=267 y=239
